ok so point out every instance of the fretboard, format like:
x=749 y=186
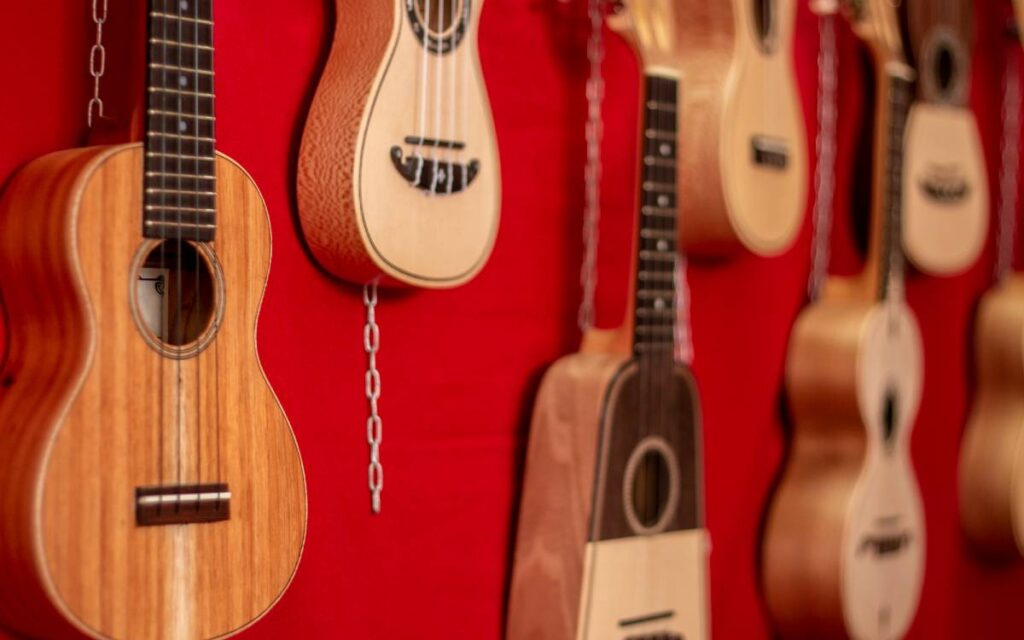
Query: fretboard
x=180 y=180
x=655 y=313
x=891 y=254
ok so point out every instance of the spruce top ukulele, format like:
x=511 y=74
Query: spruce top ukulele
x=844 y=540
x=744 y=141
x=150 y=485
x=946 y=199
x=611 y=542
x=992 y=454
x=398 y=170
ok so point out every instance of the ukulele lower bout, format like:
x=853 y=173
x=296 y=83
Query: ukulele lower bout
x=162 y=494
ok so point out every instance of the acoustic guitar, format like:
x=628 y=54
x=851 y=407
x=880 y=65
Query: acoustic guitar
x=398 y=171
x=946 y=199
x=745 y=142
x=150 y=485
x=843 y=553
x=992 y=452
x=611 y=541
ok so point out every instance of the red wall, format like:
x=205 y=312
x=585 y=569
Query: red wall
x=461 y=367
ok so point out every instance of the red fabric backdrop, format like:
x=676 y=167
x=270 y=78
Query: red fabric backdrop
x=461 y=367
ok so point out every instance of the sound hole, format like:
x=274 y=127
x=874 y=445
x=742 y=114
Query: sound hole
x=889 y=416
x=175 y=293
x=441 y=14
x=944 y=68
x=650 y=488
x=764 y=21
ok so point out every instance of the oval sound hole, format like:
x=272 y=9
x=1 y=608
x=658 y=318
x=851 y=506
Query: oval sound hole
x=443 y=14
x=650 y=488
x=175 y=293
x=764 y=20
x=944 y=68
x=889 y=416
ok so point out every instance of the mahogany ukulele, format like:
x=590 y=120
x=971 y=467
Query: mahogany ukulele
x=745 y=141
x=150 y=485
x=398 y=170
x=992 y=453
x=843 y=554
x=946 y=199
x=611 y=542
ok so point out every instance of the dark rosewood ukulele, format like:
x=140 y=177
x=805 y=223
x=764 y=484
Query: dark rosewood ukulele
x=150 y=485
x=611 y=542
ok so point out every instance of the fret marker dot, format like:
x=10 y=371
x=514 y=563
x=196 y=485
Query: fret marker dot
x=662 y=245
x=182 y=126
x=183 y=80
x=184 y=5
x=665 y=149
x=659 y=303
x=662 y=201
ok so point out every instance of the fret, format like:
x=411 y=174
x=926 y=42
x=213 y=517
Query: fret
x=652 y=134
x=891 y=255
x=659 y=187
x=657 y=276
x=154 y=190
x=165 y=174
x=168 y=16
x=178 y=208
x=654 y=294
x=171 y=43
x=173 y=67
x=664 y=212
x=654 y=105
x=651 y=346
x=183 y=92
x=656 y=329
x=656 y=312
x=653 y=161
x=658 y=234
x=179 y=137
x=175 y=115
x=201 y=8
x=177 y=156
x=658 y=256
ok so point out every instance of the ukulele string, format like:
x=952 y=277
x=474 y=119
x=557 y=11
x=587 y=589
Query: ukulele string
x=424 y=90
x=1006 y=234
x=438 y=92
x=162 y=277
x=825 y=147
x=453 y=92
x=196 y=294
x=179 y=321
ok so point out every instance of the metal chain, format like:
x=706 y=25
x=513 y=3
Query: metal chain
x=1007 y=221
x=683 y=334
x=825 y=145
x=374 y=426
x=594 y=168
x=97 y=60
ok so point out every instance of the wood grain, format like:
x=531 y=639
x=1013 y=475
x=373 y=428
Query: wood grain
x=360 y=217
x=104 y=420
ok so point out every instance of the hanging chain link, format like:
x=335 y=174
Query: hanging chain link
x=1007 y=220
x=683 y=334
x=594 y=168
x=97 y=60
x=374 y=426
x=825 y=145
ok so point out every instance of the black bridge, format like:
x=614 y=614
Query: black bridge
x=657 y=616
x=665 y=635
x=944 y=191
x=182 y=504
x=434 y=175
x=769 y=152
x=884 y=545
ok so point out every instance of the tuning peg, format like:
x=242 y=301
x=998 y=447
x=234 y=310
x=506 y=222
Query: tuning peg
x=825 y=7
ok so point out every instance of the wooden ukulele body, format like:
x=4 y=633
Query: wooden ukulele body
x=90 y=412
x=844 y=542
x=992 y=455
x=360 y=215
x=744 y=140
x=946 y=197
x=568 y=580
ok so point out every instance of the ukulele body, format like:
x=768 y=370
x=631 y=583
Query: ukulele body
x=946 y=199
x=992 y=456
x=368 y=204
x=91 y=412
x=844 y=540
x=577 y=573
x=744 y=141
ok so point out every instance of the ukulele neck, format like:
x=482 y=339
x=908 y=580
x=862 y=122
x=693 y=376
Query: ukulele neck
x=895 y=90
x=654 y=321
x=180 y=181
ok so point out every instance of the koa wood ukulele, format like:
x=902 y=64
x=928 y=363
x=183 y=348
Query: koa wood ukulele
x=843 y=554
x=992 y=452
x=611 y=542
x=398 y=170
x=745 y=141
x=150 y=485
x=946 y=198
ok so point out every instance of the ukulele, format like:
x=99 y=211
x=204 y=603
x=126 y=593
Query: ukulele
x=611 y=541
x=843 y=553
x=992 y=454
x=745 y=142
x=150 y=485
x=946 y=199
x=398 y=170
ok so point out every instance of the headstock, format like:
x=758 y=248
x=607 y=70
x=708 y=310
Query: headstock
x=651 y=26
x=877 y=22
